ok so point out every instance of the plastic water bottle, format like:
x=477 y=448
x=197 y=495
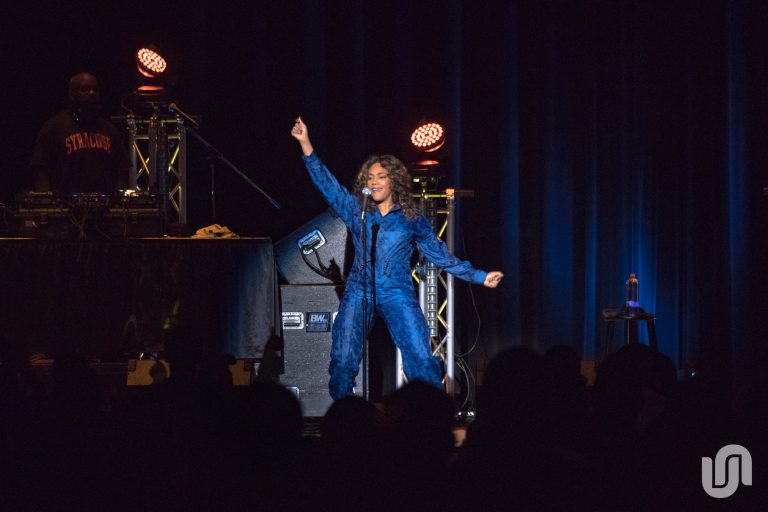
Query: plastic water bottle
x=633 y=292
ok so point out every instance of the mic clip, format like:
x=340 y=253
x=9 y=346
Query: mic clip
x=172 y=107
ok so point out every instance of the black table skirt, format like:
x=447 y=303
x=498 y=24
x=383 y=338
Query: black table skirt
x=112 y=299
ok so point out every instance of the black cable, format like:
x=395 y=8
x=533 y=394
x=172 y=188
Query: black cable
x=123 y=100
x=474 y=307
x=320 y=264
x=318 y=270
x=468 y=379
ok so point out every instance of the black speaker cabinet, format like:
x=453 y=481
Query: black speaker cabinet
x=308 y=313
x=323 y=238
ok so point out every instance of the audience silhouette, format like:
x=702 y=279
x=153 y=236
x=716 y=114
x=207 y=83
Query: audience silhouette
x=542 y=438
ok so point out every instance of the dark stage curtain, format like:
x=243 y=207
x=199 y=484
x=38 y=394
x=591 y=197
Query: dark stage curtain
x=605 y=138
x=627 y=145
x=113 y=299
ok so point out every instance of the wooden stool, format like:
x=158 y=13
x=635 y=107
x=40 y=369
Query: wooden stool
x=630 y=317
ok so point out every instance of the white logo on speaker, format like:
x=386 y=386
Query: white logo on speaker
x=733 y=463
x=293 y=320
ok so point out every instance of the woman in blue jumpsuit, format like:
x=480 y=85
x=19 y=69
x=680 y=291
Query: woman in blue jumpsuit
x=397 y=226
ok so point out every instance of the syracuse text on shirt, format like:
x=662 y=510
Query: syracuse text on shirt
x=85 y=140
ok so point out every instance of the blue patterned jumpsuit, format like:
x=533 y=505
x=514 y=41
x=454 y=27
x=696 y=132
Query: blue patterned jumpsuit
x=395 y=299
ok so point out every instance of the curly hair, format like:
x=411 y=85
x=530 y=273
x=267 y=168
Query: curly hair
x=400 y=179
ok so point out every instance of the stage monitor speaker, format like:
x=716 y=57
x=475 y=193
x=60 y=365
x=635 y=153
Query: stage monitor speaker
x=324 y=237
x=308 y=313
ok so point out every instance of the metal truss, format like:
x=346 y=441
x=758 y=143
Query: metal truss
x=436 y=287
x=160 y=142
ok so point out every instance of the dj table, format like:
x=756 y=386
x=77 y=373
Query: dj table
x=83 y=216
x=114 y=298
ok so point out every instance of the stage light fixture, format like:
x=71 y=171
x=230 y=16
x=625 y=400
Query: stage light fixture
x=428 y=137
x=150 y=63
x=154 y=66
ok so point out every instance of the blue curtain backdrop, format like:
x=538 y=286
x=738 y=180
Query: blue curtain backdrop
x=601 y=137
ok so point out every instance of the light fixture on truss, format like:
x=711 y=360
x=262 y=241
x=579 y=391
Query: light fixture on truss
x=155 y=67
x=427 y=139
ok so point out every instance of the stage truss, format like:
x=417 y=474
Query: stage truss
x=160 y=142
x=436 y=287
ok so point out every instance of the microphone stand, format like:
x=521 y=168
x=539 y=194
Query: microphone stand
x=363 y=233
x=374 y=237
x=215 y=154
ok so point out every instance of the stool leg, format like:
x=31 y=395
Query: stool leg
x=630 y=331
x=607 y=345
x=651 y=326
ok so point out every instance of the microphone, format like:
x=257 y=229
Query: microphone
x=366 y=199
x=176 y=110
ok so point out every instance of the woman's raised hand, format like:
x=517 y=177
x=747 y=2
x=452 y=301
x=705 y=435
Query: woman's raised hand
x=301 y=134
x=299 y=131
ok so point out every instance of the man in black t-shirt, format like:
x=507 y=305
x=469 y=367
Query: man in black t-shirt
x=77 y=150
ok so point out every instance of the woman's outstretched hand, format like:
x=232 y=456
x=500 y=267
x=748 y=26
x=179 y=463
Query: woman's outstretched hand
x=301 y=134
x=493 y=279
